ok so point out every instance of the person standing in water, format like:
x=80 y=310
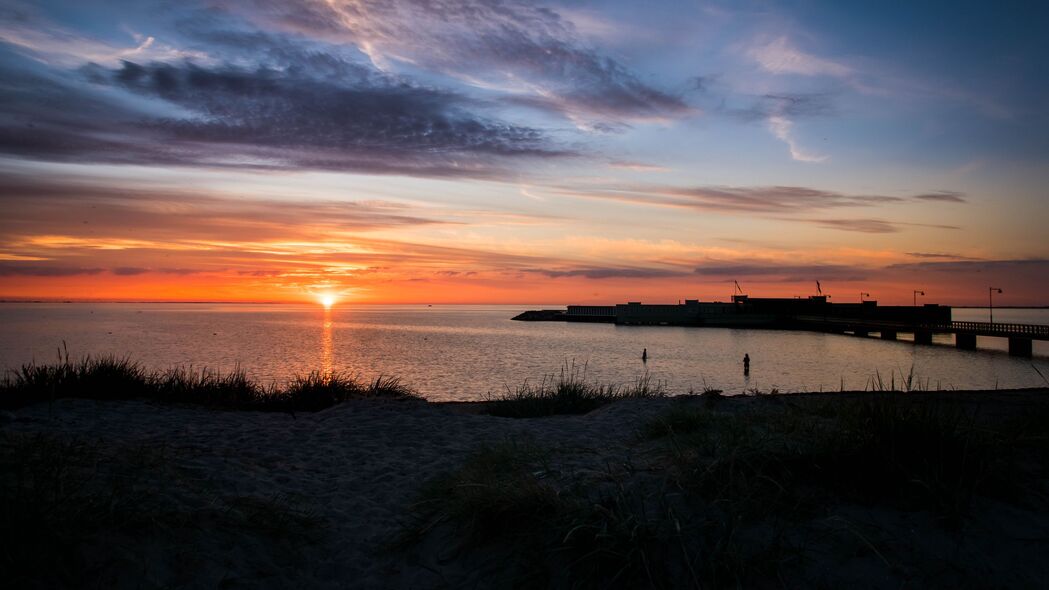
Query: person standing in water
x=644 y=355
x=746 y=363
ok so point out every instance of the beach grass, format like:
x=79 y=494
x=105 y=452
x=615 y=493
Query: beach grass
x=552 y=531
x=732 y=498
x=568 y=393
x=118 y=378
x=65 y=504
x=884 y=449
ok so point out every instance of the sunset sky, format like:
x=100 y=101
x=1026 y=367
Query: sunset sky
x=438 y=151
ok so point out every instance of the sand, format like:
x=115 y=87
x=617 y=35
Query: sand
x=332 y=490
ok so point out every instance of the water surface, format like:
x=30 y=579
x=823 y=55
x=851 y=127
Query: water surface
x=464 y=352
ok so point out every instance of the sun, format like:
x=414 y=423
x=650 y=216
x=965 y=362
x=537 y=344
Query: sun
x=327 y=300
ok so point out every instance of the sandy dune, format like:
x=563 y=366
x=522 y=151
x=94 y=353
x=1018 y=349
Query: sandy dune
x=323 y=495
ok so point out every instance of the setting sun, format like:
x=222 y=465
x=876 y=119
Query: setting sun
x=327 y=300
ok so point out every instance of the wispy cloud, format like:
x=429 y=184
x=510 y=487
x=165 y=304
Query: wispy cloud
x=10 y=268
x=743 y=199
x=939 y=255
x=782 y=128
x=777 y=271
x=1040 y=265
x=26 y=29
x=781 y=56
x=609 y=273
x=942 y=196
x=125 y=216
x=872 y=226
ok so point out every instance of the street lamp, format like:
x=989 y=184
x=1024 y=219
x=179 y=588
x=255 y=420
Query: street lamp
x=990 y=300
x=916 y=294
x=862 y=295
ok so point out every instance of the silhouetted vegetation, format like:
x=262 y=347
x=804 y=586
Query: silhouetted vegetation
x=112 y=378
x=65 y=504
x=569 y=393
x=734 y=498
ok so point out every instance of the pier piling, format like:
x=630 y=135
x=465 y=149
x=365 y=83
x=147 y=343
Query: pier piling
x=1020 y=347
x=923 y=336
x=965 y=341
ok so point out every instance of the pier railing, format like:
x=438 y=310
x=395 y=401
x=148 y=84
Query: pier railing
x=1005 y=330
x=999 y=329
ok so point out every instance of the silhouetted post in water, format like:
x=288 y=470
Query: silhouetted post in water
x=746 y=364
x=644 y=355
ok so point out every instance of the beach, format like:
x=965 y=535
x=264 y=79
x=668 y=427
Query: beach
x=197 y=497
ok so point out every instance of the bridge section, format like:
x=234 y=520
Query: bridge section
x=1020 y=336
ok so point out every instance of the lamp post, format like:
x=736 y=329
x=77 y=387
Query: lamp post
x=916 y=294
x=990 y=300
x=862 y=295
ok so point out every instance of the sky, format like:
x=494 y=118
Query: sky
x=497 y=151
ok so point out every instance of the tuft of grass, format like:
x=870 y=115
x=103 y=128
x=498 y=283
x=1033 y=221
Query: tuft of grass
x=680 y=419
x=569 y=393
x=927 y=454
x=907 y=452
x=209 y=388
x=110 y=377
x=391 y=388
x=550 y=531
x=113 y=378
x=495 y=493
x=908 y=382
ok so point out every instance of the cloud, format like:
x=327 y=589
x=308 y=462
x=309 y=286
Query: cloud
x=782 y=128
x=609 y=273
x=774 y=202
x=943 y=196
x=729 y=199
x=138 y=217
x=936 y=255
x=129 y=271
x=780 y=56
x=977 y=266
x=790 y=105
x=28 y=30
x=9 y=268
x=297 y=116
x=637 y=166
x=530 y=51
x=869 y=226
x=772 y=271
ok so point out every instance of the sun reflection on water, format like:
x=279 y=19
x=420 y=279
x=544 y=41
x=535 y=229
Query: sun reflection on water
x=327 y=354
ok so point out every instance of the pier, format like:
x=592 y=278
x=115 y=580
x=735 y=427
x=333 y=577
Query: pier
x=813 y=314
x=1020 y=336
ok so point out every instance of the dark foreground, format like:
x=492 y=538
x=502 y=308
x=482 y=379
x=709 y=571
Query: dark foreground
x=870 y=490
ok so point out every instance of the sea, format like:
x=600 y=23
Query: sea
x=470 y=352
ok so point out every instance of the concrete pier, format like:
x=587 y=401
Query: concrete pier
x=812 y=313
x=1020 y=347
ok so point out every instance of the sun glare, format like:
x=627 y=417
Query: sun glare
x=327 y=300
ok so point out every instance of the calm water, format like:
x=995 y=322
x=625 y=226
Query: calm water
x=463 y=352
